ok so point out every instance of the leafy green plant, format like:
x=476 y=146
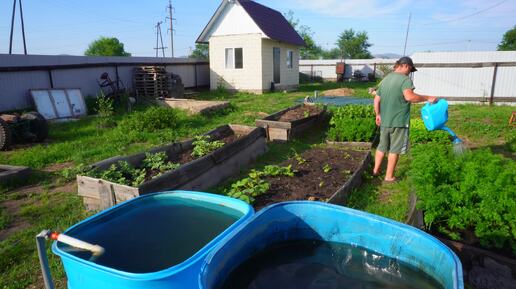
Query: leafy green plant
x=203 y=146
x=352 y=123
x=473 y=193
x=249 y=188
x=420 y=135
x=306 y=113
x=326 y=168
x=158 y=162
x=105 y=110
x=153 y=119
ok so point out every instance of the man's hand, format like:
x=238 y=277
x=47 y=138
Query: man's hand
x=378 y=120
x=432 y=99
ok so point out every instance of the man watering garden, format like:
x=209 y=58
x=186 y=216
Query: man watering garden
x=392 y=108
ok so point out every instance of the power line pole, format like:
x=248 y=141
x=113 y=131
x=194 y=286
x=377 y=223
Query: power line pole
x=171 y=29
x=159 y=37
x=406 y=36
x=12 y=28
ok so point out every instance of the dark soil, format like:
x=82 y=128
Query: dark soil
x=299 y=113
x=187 y=157
x=311 y=182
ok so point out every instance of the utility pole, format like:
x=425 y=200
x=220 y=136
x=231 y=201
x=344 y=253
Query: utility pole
x=406 y=36
x=12 y=28
x=159 y=37
x=171 y=29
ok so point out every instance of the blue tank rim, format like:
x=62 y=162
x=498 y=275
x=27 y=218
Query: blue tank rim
x=405 y=227
x=236 y=204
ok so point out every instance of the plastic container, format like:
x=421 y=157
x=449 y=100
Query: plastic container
x=135 y=242
x=320 y=221
x=435 y=115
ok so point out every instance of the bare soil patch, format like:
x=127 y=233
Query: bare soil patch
x=323 y=172
x=339 y=92
x=299 y=113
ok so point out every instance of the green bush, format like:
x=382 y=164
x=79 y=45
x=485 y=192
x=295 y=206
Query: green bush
x=353 y=123
x=473 y=193
x=420 y=135
x=153 y=119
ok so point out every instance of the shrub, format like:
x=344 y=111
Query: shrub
x=420 y=135
x=153 y=119
x=473 y=193
x=353 y=123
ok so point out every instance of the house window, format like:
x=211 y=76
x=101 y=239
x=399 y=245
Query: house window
x=234 y=58
x=290 y=59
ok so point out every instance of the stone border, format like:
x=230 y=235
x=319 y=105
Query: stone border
x=13 y=173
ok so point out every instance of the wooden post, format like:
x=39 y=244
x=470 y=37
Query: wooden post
x=493 y=84
x=374 y=71
x=50 y=78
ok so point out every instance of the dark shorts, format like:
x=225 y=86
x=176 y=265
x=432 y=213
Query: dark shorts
x=394 y=140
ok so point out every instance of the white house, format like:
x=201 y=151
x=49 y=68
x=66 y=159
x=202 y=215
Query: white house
x=252 y=47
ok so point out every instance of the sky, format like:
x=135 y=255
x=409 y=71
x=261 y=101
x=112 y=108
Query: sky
x=55 y=27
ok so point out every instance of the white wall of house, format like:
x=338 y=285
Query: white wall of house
x=248 y=78
x=234 y=21
x=289 y=77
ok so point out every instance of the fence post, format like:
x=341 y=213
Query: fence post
x=493 y=84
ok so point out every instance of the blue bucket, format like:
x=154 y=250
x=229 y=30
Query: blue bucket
x=292 y=221
x=164 y=252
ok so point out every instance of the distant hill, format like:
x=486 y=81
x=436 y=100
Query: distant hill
x=387 y=55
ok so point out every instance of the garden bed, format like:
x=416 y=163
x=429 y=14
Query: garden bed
x=13 y=173
x=286 y=124
x=242 y=144
x=325 y=173
x=194 y=106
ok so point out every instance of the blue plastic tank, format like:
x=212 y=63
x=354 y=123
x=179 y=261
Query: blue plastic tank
x=292 y=221
x=154 y=241
x=435 y=115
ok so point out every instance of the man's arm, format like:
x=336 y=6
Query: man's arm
x=413 y=97
x=377 y=109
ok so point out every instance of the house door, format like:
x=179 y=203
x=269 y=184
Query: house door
x=276 y=64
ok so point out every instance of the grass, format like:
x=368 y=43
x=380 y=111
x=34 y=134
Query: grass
x=49 y=206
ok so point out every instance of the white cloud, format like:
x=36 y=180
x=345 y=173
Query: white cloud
x=351 y=8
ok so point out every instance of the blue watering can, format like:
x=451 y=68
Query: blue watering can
x=435 y=117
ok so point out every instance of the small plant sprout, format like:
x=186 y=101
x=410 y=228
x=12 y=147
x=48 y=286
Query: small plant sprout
x=203 y=146
x=321 y=184
x=346 y=172
x=347 y=156
x=306 y=113
x=299 y=159
x=327 y=168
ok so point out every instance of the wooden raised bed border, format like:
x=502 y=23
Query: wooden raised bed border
x=199 y=174
x=340 y=196
x=13 y=173
x=285 y=131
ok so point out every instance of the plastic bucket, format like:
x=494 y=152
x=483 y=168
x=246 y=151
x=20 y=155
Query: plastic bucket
x=320 y=221
x=435 y=115
x=144 y=241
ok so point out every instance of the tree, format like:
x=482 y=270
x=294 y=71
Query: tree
x=311 y=50
x=105 y=46
x=333 y=53
x=508 y=40
x=201 y=51
x=354 y=45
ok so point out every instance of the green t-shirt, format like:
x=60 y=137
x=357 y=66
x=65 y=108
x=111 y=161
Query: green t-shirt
x=394 y=109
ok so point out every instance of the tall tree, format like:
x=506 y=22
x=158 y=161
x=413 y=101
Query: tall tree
x=354 y=45
x=201 y=51
x=312 y=50
x=105 y=46
x=508 y=40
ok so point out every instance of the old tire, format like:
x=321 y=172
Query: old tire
x=38 y=125
x=5 y=135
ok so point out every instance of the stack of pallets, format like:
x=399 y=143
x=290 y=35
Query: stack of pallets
x=151 y=82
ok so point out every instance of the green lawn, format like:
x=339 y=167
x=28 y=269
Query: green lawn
x=52 y=202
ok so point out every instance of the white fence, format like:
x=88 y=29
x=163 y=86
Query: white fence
x=457 y=76
x=19 y=73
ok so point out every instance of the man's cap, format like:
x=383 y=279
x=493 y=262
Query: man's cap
x=407 y=60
